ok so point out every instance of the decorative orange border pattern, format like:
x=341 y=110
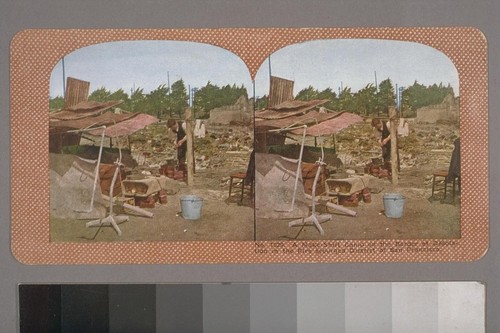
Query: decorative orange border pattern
x=34 y=53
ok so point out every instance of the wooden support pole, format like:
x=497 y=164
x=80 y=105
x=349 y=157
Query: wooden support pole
x=189 y=142
x=394 y=145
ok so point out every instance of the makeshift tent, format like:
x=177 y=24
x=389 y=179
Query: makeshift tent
x=71 y=187
x=271 y=127
x=275 y=180
x=65 y=128
x=66 y=125
x=296 y=113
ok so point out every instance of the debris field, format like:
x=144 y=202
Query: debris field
x=225 y=150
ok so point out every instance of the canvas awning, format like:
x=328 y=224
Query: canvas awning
x=332 y=125
x=128 y=126
x=83 y=110
x=311 y=118
x=106 y=119
x=295 y=113
x=289 y=108
x=318 y=124
x=88 y=115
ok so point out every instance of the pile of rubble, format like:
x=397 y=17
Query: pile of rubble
x=357 y=146
x=222 y=146
x=227 y=148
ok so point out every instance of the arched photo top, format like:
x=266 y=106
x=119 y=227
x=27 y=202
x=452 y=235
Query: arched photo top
x=147 y=64
x=368 y=115
x=154 y=101
x=356 y=63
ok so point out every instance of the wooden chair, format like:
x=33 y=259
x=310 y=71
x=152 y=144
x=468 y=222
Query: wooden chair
x=439 y=184
x=237 y=181
x=243 y=180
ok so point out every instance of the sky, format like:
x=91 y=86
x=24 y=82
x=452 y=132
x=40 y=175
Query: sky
x=354 y=63
x=336 y=63
x=148 y=64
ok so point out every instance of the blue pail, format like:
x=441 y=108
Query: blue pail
x=191 y=207
x=394 y=205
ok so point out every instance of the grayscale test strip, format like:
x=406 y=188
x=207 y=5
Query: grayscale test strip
x=252 y=308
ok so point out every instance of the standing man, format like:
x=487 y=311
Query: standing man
x=385 y=139
x=180 y=141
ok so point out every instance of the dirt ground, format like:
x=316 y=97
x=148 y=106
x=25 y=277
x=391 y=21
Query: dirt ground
x=422 y=218
x=221 y=219
x=226 y=150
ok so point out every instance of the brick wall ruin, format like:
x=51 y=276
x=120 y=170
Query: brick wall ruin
x=241 y=112
x=447 y=111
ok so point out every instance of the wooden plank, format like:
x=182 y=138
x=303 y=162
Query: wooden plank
x=394 y=146
x=189 y=142
x=76 y=91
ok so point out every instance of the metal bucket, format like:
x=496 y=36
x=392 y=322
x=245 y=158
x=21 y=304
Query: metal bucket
x=191 y=207
x=394 y=205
